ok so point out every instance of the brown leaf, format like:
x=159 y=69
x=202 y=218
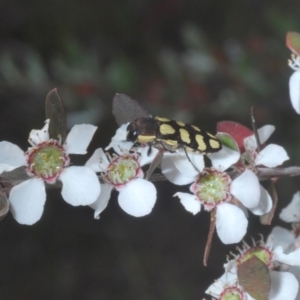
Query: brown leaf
x=254 y=277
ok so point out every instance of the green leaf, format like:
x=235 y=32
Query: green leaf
x=238 y=131
x=228 y=141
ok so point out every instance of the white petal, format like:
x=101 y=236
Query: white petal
x=226 y=280
x=243 y=208
x=292 y=212
x=101 y=203
x=118 y=141
x=246 y=188
x=137 y=197
x=183 y=164
x=296 y=272
x=264 y=133
x=39 y=136
x=224 y=158
x=265 y=203
x=173 y=174
x=295 y=91
x=284 y=285
x=11 y=157
x=145 y=158
x=27 y=201
x=271 y=156
x=80 y=185
x=231 y=223
x=292 y=258
x=280 y=236
x=79 y=138
x=190 y=202
x=98 y=162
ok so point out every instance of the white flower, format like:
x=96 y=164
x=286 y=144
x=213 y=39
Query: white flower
x=47 y=161
x=292 y=212
x=286 y=249
x=137 y=196
x=214 y=189
x=294 y=83
x=227 y=285
x=270 y=156
x=284 y=285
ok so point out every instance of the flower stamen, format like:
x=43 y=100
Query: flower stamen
x=47 y=160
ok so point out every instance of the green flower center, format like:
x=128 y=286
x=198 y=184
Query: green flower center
x=47 y=160
x=260 y=252
x=232 y=293
x=212 y=187
x=122 y=169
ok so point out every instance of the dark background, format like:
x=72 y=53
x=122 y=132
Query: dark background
x=197 y=61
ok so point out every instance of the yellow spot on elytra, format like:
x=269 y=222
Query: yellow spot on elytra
x=209 y=134
x=143 y=139
x=180 y=123
x=196 y=128
x=188 y=149
x=162 y=119
x=214 y=144
x=166 y=129
x=200 y=142
x=172 y=143
x=184 y=135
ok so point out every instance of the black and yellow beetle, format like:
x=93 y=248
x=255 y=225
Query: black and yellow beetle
x=161 y=133
x=171 y=135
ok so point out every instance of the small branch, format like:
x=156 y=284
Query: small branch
x=266 y=173
x=267 y=218
x=8 y=182
x=212 y=227
x=254 y=128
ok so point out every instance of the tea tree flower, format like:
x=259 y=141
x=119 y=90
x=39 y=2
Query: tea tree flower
x=214 y=189
x=284 y=285
x=46 y=162
x=270 y=156
x=228 y=287
x=286 y=244
x=123 y=172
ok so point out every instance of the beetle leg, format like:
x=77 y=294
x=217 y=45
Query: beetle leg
x=149 y=150
x=190 y=160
